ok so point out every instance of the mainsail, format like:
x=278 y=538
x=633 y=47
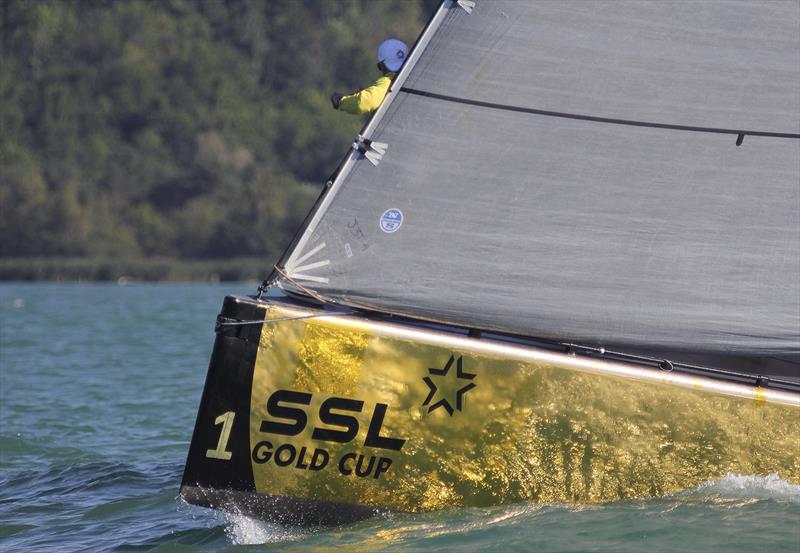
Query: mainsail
x=620 y=173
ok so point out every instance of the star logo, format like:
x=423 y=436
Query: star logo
x=460 y=375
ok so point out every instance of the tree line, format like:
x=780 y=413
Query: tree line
x=198 y=129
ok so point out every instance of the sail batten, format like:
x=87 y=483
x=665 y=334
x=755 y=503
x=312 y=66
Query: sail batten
x=585 y=213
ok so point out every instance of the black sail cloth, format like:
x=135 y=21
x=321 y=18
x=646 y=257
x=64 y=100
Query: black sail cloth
x=570 y=171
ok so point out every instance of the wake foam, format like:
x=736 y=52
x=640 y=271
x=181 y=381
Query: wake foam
x=730 y=490
x=740 y=487
x=244 y=530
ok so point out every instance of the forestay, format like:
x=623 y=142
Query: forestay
x=570 y=170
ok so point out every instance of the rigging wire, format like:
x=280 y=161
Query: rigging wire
x=283 y=319
x=308 y=291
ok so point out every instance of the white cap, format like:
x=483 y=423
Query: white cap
x=392 y=53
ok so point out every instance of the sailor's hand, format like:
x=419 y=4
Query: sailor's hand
x=335 y=99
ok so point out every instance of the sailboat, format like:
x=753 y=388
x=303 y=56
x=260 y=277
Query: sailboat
x=560 y=263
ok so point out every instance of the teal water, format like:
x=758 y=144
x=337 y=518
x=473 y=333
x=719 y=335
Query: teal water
x=99 y=386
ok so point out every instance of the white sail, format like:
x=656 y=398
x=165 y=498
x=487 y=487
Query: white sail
x=621 y=173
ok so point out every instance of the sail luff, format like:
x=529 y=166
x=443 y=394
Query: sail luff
x=414 y=55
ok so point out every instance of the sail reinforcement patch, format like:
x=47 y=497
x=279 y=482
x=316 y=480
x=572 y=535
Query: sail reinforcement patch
x=391 y=220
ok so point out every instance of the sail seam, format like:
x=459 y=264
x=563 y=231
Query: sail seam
x=596 y=119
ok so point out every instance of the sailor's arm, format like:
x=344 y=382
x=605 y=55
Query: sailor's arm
x=366 y=100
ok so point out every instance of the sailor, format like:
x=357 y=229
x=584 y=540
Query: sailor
x=392 y=54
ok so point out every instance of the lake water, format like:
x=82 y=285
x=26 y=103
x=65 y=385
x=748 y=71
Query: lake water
x=99 y=387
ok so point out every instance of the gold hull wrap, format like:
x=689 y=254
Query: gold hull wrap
x=532 y=425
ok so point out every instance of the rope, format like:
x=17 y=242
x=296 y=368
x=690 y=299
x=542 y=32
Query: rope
x=311 y=293
x=281 y=319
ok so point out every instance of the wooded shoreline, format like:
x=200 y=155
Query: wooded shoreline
x=130 y=270
x=171 y=140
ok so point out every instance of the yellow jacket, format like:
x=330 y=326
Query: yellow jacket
x=368 y=99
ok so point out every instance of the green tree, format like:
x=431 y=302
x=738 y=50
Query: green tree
x=177 y=127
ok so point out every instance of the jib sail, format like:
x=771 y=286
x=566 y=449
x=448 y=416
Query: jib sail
x=620 y=173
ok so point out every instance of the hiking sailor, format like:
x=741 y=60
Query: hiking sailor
x=391 y=55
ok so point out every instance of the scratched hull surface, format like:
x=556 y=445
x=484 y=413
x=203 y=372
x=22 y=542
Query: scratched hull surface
x=383 y=417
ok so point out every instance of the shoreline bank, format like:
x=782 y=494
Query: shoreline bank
x=129 y=270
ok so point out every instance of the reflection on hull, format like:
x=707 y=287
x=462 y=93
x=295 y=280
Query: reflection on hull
x=331 y=419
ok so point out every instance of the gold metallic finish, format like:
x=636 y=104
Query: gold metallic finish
x=330 y=360
x=536 y=425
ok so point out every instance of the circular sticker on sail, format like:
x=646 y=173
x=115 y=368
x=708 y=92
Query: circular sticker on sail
x=391 y=220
